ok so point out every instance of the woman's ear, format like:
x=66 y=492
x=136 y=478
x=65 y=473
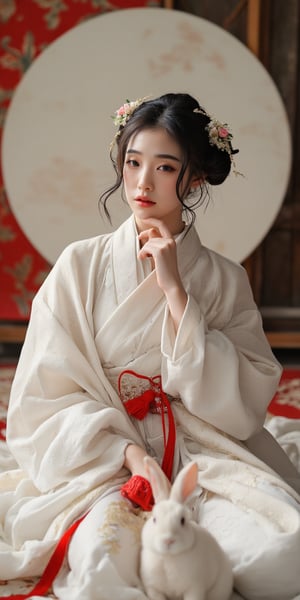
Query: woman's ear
x=196 y=183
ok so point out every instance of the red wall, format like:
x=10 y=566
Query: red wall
x=27 y=27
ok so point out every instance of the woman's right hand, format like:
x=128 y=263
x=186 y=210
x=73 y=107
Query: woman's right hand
x=159 y=244
x=138 y=488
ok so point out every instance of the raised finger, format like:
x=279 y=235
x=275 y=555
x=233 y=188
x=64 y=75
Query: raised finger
x=161 y=227
x=152 y=232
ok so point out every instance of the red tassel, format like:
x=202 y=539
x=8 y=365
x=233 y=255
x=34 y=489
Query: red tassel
x=139 y=406
x=168 y=458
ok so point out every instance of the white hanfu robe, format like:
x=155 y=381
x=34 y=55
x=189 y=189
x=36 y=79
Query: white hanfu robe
x=100 y=312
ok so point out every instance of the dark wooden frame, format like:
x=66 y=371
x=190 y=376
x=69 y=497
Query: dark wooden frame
x=282 y=324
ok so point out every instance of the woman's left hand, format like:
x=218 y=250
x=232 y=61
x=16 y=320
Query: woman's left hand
x=160 y=246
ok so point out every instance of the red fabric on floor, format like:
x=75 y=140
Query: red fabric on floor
x=286 y=402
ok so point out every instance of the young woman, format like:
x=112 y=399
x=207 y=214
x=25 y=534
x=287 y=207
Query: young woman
x=145 y=342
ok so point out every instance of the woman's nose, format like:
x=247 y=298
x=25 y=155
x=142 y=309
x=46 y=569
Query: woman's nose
x=145 y=182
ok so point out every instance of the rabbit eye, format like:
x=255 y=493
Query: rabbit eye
x=154 y=519
x=182 y=521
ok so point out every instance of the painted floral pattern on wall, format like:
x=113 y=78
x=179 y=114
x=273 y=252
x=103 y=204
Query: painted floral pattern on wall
x=27 y=28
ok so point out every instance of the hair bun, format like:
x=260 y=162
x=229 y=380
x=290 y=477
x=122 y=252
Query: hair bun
x=217 y=165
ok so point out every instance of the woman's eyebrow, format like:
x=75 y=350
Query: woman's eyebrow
x=170 y=156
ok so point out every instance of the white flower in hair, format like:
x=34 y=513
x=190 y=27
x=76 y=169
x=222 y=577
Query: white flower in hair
x=122 y=115
x=219 y=135
x=125 y=111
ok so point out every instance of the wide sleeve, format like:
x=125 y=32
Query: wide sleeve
x=64 y=420
x=222 y=369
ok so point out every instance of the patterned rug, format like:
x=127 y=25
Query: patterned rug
x=6 y=377
x=286 y=402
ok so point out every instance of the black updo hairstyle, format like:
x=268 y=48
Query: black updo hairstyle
x=175 y=113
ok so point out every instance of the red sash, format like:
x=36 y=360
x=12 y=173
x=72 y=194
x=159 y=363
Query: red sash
x=52 y=568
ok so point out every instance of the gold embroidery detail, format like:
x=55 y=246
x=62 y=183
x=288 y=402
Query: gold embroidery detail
x=120 y=514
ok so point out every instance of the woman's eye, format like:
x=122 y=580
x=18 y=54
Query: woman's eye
x=166 y=168
x=132 y=162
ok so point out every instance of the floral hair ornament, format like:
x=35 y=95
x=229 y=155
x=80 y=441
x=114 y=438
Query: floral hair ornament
x=125 y=111
x=123 y=114
x=219 y=135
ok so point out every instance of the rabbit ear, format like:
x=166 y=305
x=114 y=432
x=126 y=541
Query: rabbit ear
x=185 y=483
x=159 y=482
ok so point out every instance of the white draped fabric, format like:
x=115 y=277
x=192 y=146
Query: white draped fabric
x=98 y=313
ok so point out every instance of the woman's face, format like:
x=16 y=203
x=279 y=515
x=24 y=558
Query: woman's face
x=151 y=168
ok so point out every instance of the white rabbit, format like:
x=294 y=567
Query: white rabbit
x=179 y=558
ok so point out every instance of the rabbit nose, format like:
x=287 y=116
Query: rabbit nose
x=169 y=542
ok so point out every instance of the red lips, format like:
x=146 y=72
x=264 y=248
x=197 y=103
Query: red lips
x=144 y=201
